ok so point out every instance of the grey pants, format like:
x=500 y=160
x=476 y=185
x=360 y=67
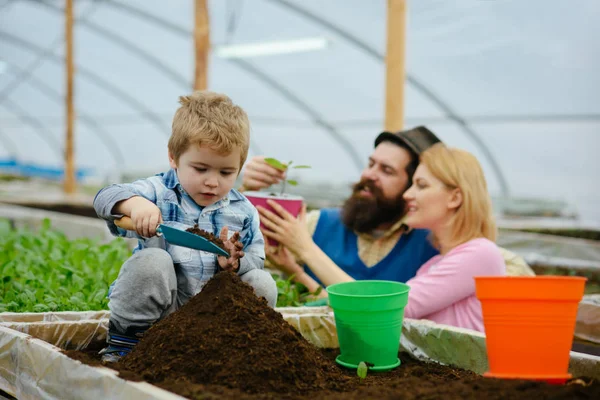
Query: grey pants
x=146 y=289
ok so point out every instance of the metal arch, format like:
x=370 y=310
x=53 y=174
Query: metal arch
x=417 y=84
x=11 y=147
x=105 y=138
x=470 y=132
x=92 y=77
x=257 y=73
x=36 y=124
x=40 y=58
x=317 y=119
x=123 y=42
x=147 y=56
x=8 y=3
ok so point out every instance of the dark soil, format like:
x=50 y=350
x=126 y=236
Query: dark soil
x=80 y=210
x=573 y=233
x=4 y=395
x=207 y=235
x=589 y=234
x=584 y=346
x=227 y=343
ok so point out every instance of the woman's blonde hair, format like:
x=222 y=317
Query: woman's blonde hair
x=459 y=169
x=209 y=119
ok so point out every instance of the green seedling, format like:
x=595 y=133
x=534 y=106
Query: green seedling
x=273 y=162
x=362 y=370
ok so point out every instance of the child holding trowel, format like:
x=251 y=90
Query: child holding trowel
x=207 y=148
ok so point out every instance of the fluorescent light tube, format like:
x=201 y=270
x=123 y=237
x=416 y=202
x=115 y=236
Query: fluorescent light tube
x=271 y=48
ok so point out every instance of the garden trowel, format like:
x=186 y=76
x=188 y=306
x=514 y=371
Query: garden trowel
x=178 y=237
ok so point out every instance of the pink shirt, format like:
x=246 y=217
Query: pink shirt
x=443 y=290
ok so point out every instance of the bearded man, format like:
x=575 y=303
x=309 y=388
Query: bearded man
x=366 y=238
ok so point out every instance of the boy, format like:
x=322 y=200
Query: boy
x=207 y=148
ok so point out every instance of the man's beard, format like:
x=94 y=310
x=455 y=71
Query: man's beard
x=363 y=214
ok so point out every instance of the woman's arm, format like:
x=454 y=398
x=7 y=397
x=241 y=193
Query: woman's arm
x=323 y=266
x=450 y=280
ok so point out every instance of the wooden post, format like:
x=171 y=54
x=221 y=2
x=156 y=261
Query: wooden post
x=201 y=44
x=69 y=180
x=394 y=65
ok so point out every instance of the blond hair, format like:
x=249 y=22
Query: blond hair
x=209 y=119
x=459 y=169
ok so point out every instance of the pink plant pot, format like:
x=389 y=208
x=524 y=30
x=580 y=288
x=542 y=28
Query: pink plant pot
x=291 y=203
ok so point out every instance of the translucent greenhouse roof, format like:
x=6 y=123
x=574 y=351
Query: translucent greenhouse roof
x=515 y=82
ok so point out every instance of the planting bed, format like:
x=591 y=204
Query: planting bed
x=412 y=380
x=226 y=343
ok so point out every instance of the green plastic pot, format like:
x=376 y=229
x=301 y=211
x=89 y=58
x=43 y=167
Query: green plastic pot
x=368 y=317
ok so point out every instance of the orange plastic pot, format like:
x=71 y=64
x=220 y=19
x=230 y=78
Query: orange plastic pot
x=529 y=325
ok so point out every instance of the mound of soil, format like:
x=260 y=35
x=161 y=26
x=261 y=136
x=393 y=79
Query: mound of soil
x=227 y=336
x=227 y=343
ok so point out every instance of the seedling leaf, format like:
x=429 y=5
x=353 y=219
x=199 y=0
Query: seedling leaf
x=273 y=162
x=362 y=370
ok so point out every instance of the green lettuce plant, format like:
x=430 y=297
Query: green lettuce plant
x=293 y=294
x=46 y=271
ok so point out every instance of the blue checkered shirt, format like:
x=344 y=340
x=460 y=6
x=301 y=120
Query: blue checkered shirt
x=193 y=267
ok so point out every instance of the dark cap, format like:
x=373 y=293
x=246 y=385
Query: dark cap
x=417 y=139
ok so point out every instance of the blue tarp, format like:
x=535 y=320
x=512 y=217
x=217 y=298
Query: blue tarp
x=13 y=166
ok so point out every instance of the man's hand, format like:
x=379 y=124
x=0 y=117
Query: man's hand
x=259 y=175
x=144 y=214
x=283 y=227
x=234 y=248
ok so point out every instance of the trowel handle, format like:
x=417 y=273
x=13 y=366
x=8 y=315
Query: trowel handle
x=125 y=223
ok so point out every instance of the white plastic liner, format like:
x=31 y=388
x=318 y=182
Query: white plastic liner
x=33 y=369
x=68 y=329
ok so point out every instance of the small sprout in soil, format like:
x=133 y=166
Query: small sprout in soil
x=362 y=370
x=273 y=162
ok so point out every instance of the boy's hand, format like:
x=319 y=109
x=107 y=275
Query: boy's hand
x=234 y=248
x=145 y=216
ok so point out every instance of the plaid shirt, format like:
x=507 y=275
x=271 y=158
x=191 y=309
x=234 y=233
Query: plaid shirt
x=193 y=267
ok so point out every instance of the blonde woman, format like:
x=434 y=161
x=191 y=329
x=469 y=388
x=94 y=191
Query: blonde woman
x=449 y=197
